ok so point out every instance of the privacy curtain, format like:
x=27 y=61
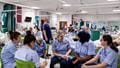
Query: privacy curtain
x=8 y=18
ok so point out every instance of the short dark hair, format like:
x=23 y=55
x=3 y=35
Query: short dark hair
x=10 y=33
x=28 y=39
x=28 y=32
x=14 y=35
x=84 y=37
x=70 y=24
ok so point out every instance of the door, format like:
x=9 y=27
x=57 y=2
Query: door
x=62 y=25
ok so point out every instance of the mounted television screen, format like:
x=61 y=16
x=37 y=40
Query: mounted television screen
x=28 y=19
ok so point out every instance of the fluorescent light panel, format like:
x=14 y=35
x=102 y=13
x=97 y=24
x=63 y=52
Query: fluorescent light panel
x=112 y=0
x=67 y=5
x=84 y=11
x=59 y=13
x=35 y=7
x=116 y=10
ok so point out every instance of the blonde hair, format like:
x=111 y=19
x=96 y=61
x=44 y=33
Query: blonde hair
x=38 y=38
x=60 y=32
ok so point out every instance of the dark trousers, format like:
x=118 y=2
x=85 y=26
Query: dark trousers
x=48 y=41
x=77 y=65
x=63 y=63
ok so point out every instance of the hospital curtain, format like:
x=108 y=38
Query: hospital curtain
x=8 y=18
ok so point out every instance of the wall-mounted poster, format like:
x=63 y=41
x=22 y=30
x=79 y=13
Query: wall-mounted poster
x=37 y=20
x=19 y=14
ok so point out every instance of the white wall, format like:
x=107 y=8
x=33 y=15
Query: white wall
x=100 y=24
x=26 y=12
x=55 y=19
x=99 y=17
x=67 y=18
x=114 y=23
x=1 y=6
x=1 y=9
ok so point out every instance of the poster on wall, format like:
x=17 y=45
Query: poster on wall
x=19 y=14
x=37 y=20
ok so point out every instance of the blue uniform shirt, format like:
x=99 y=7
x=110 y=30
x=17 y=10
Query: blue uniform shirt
x=85 y=49
x=60 y=47
x=7 y=54
x=25 y=53
x=40 y=48
x=108 y=56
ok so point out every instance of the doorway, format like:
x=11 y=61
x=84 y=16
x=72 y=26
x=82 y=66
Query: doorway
x=62 y=25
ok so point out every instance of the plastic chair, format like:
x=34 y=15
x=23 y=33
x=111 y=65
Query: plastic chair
x=118 y=61
x=24 y=64
x=1 y=63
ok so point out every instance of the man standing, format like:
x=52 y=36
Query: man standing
x=47 y=34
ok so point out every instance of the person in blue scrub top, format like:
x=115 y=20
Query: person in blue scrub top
x=84 y=51
x=40 y=47
x=26 y=53
x=108 y=55
x=61 y=50
x=8 y=51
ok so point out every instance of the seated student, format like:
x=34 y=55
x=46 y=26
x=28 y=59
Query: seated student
x=8 y=51
x=28 y=33
x=108 y=55
x=31 y=30
x=40 y=47
x=61 y=50
x=26 y=53
x=85 y=50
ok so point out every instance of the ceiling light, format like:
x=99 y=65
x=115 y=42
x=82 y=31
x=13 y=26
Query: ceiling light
x=84 y=11
x=112 y=0
x=116 y=10
x=35 y=7
x=67 y=5
x=58 y=13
